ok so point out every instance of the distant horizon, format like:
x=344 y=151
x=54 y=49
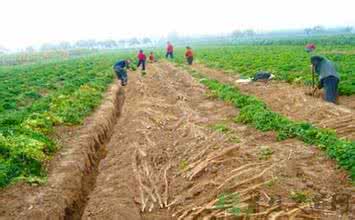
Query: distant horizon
x=26 y=23
x=195 y=35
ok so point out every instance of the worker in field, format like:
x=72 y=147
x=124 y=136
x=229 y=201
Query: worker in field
x=310 y=47
x=120 y=69
x=328 y=77
x=141 y=59
x=151 y=57
x=189 y=55
x=169 y=51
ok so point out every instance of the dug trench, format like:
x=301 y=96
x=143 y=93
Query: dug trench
x=176 y=153
x=73 y=170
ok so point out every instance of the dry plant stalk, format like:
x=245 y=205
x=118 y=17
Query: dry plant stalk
x=204 y=163
x=166 y=191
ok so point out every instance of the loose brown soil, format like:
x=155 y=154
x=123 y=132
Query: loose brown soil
x=166 y=160
x=291 y=101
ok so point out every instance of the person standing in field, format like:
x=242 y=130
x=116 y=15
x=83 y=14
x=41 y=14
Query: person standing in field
x=189 y=55
x=141 y=59
x=328 y=77
x=169 y=51
x=120 y=69
x=151 y=57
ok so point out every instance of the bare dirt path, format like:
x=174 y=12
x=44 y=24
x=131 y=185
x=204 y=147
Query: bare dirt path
x=175 y=153
x=165 y=161
x=291 y=101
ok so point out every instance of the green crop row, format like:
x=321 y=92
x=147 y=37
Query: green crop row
x=287 y=62
x=36 y=98
x=254 y=111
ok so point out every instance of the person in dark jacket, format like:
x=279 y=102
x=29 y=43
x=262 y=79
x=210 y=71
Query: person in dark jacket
x=120 y=69
x=328 y=77
x=189 y=55
x=141 y=59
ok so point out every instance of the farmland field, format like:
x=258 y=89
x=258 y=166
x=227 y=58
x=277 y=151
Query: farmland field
x=36 y=97
x=179 y=142
x=43 y=57
x=287 y=62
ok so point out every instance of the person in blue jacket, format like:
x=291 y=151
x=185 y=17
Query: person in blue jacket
x=120 y=69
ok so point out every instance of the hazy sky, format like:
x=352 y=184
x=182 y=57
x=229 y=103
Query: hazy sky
x=25 y=22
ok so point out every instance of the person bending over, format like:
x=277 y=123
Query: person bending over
x=120 y=69
x=328 y=77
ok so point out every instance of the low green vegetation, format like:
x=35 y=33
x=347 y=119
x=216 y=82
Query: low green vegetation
x=287 y=62
x=183 y=165
x=229 y=202
x=223 y=128
x=220 y=128
x=36 y=98
x=265 y=153
x=300 y=196
x=255 y=112
x=233 y=138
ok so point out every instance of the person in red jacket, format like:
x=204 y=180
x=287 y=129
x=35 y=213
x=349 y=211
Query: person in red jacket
x=310 y=47
x=151 y=57
x=141 y=59
x=189 y=55
x=169 y=51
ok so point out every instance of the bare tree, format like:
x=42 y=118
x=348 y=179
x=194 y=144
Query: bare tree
x=64 y=45
x=48 y=47
x=348 y=29
x=249 y=33
x=237 y=34
x=146 y=40
x=110 y=44
x=121 y=43
x=29 y=49
x=86 y=44
x=133 y=41
x=308 y=31
x=318 y=29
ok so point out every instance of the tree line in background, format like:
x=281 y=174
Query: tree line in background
x=237 y=36
x=87 y=44
x=94 y=44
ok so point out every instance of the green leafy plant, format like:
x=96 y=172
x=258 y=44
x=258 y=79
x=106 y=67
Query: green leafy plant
x=265 y=153
x=230 y=202
x=183 y=165
x=233 y=138
x=220 y=128
x=253 y=111
x=300 y=196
